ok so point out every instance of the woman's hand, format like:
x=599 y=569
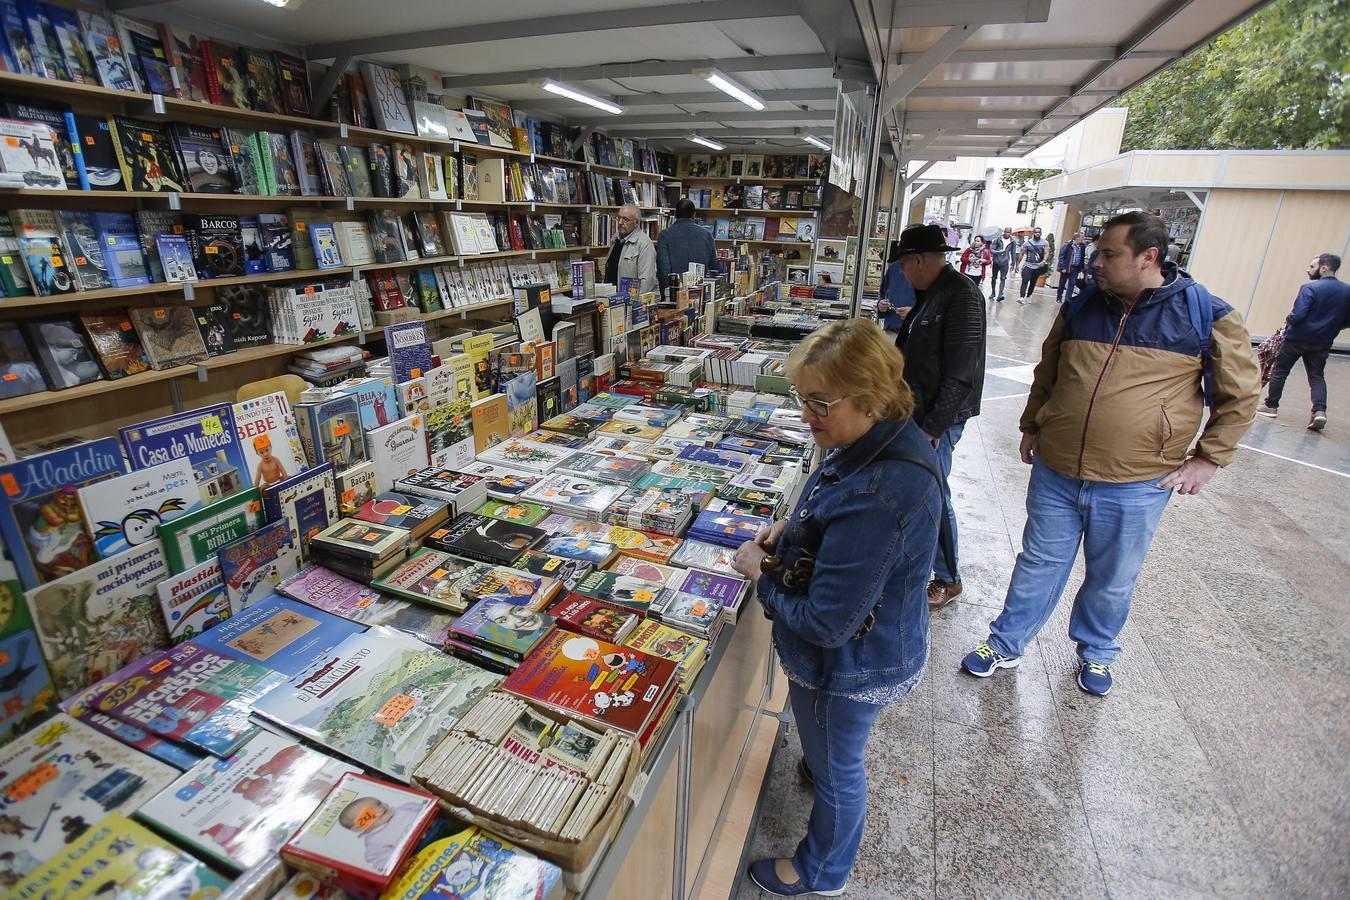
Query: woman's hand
x=768 y=537
x=749 y=556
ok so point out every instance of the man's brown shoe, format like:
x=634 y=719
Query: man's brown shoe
x=940 y=593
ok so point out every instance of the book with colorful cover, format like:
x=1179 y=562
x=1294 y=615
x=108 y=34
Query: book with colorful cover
x=502 y=482
x=432 y=577
x=409 y=350
x=193 y=601
x=513 y=511
x=484 y=539
x=41 y=522
x=351 y=537
x=280 y=633
x=382 y=698
x=237 y=812
x=659 y=639
x=331 y=592
x=192 y=539
x=594 y=680
x=491 y=424
x=726 y=528
x=64 y=771
x=127 y=510
x=700 y=615
x=130 y=861
x=633 y=431
x=206 y=437
x=695 y=554
x=255 y=564
x=592 y=618
x=269 y=439
x=506 y=584
x=84 y=706
x=700 y=493
x=647 y=571
x=476 y=865
x=726 y=590
x=26 y=692
x=726 y=460
x=192 y=695
x=568 y=571
x=582 y=548
x=506 y=628
x=417 y=514
x=625 y=470
x=360 y=834
x=94 y=621
x=642 y=544
x=526 y=455
x=619 y=589
x=398 y=449
x=307 y=502
x=574 y=495
x=522 y=410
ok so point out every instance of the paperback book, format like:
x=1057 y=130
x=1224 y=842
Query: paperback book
x=254 y=565
x=98 y=619
x=502 y=627
x=85 y=706
x=417 y=514
x=280 y=634
x=381 y=698
x=575 y=496
x=433 y=577
x=126 y=511
x=619 y=589
x=236 y=812
x=169 y=335
x=362 y=540
x=367 y=606
x=592 y=618
x=64 y=765
x=528 y=456
x=193 y=601
x=484 y=539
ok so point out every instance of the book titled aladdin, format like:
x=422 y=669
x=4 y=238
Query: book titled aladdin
x=594 y=680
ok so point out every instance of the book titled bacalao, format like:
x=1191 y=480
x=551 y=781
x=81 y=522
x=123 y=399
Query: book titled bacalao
x=595 y=681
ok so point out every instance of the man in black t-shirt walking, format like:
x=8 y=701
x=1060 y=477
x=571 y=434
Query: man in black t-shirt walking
x=1035 y=251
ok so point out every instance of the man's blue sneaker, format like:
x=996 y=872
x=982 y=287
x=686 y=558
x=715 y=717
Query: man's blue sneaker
x=763 y=874
x=983 y=660
x=1094 y=678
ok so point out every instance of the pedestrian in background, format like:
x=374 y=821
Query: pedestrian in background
x=975 y=259
x=1034 y=260
x=1321 y=311
x=1001 y=252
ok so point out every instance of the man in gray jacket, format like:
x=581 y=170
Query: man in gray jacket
x=684 y=242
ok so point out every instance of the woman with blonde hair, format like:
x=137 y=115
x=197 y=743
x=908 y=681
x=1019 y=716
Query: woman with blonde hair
x=844 y=579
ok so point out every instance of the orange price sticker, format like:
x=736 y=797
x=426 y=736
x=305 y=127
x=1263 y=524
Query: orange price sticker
x=125 y=326
x=439 y=573
x=366 y=817
x=81 y=261
x=11 y=142
x=161 y=665
x=364 y=602
x=211 y=249
x=10 y=376
x=395 y=708
x=89 y=140
x=147 y=137
x=178 y=229
x=309 y=289
x=56 y=261
x=8 y=481
x=342 y=430
x=161 y=314
x=400 y=510
x=238 y=315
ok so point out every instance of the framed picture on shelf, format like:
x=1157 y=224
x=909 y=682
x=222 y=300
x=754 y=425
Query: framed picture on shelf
x=830 y=252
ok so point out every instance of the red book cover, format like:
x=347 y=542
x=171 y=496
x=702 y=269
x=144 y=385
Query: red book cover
x=517 y=232
x=210 y=72
x=594 y=680
x=594 y=619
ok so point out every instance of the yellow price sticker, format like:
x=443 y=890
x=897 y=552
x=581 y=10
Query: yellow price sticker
x=400 y=510
x=211 y=249
x=211 y=425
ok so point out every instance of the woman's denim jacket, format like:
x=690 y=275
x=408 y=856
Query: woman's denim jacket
x=871 y=521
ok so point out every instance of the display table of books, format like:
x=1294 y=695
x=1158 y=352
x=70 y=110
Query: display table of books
x=296 y=653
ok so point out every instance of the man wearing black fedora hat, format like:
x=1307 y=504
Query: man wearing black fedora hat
x=943 y=342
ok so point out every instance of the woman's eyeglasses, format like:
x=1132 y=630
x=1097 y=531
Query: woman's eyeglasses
x=818 y=408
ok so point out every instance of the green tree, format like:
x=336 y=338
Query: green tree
x=1027 y=181
x=1276 y=81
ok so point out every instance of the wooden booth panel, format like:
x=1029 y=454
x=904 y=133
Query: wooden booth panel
x=1231 y=243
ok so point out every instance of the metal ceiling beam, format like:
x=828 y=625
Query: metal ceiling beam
x=913 y=149
x=993 y=89
x=787 y=62
x=124 y=5
x=969 y=12
x=975 y=133
x=968 y=116
x=690 y=121
x=728 y=132
x=915 y=70
x=541 y=26
x=694 y=98
x=1034 y=54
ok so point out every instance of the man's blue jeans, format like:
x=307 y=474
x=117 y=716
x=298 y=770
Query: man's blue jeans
x=1068 y=280
x=1115 y=524
x=945 y=560
x=833 y=732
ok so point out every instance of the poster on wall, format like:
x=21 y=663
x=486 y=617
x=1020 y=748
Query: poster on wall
x=838 y=212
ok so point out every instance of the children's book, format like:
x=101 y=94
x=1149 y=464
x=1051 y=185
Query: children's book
x=361 y=834
x=279 y=633
x=127 y=511
x=364 y=605
x=192 y=539
x=307 y=502
x=236 y=812
x=26 y=694
x=94 y=621
x=594 y=680
x=474 y=863
x=330 y=431
x=130 y=861
x=41 y=521
x=503 y=627
x=269 y=438
x=193 y=601
x=528 y=456
x=583 y=615
x=254 y=565
x=205 y=437
x=488 y=540
x=60 y=778
x=658 y=639
x=191 y=695
x=433 y=577
x=85 y=707
x=381 y=698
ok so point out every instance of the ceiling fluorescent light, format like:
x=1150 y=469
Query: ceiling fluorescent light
x=812 y=139
x=727 y=86
x=707 y=142
x=571 y=93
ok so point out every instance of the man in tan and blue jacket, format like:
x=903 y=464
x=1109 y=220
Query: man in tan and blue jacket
x=1117 y=400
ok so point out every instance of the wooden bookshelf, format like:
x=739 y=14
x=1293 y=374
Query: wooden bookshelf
x=770 y=243
x=700 y=179
x=794 y=213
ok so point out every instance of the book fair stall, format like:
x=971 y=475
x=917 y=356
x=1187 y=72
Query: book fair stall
x=360 y=539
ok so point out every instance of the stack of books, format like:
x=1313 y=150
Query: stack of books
x=661 y=510
x=701 y=616
x=575 y=496
x=359 y=550
x=420 y=515
x=497 y=634
x=726 y=529
x=688 y=652
x=592 y=618
x=460 y=491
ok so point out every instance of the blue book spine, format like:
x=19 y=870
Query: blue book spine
x=121 y=245
x=74 y=134
x=18 y=58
